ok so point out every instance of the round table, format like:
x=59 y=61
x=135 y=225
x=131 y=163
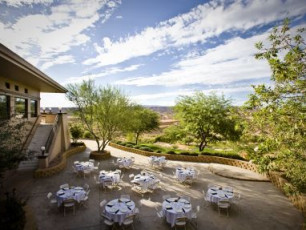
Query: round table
x=85 y=165
x=184 y=173
x=75 y=193
x=145 y=180
x=176 y=207
x=118 y=209
x=104 y=176
x=214 y=194
x=125 y=162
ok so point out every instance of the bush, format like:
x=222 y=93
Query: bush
x=146 y=149
x=119 y=142
x=12 y=212
x=226 y=155
x=136 y=147
x=158 y=151
x=171 y=152
x=77 y=144
x=129 y=145
x=76 y=132
x=87 y=134
x=185 y=153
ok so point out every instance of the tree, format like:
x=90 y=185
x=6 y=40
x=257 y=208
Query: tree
x=101 y=110
x=12 y=136
x=205 y=117
x=142 y=120
x=278 y=112
x=76 y=132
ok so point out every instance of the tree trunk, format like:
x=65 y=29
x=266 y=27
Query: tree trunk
x=137 y=136
x=203 y=143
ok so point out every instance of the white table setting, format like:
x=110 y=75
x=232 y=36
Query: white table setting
x=84 y=165
x=125 y=162
x=216 y=193
x=182 y=174
x=155 y=161
x=111 y=176
x=176 y=207
x=75 y=193
x=118 y=209
x=145 y=180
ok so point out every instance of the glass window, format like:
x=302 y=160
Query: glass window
x=4 y=107
x=33 y=108
x=20 y=107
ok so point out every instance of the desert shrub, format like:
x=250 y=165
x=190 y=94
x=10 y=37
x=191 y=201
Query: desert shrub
x=88 y=135
x=76 y=132
x=129 y=145
x=146 y=149
x=158 y=151
x=185 y=153
x=136 y=147
x=171 y=152
x=119 y=142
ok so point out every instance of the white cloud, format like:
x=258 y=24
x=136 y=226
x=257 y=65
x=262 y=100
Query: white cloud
x=60 y=60
x=43 y=37
x=18 y=3
x=231 y=62
x=202 y=22
x=169 y=98
x=119 y=17
x=107 y=72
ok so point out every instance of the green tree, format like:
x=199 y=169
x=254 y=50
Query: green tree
x=278 y=111
x=12 y=136
x=206 y=117
x=101 y=110
x=142 y=120
x=76 y=132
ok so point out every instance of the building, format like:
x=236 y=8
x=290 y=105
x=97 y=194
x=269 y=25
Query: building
x=20 y=86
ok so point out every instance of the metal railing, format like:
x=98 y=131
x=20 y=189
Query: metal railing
x=52 y=134
x=29 y=134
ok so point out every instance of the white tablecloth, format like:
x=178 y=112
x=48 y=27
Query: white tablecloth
x=125 y=162
x=157 y=161
x=176 y=207
x=118 y=211
x=75 y=193
x=104 y=176
x=145 y=181
x=85 y=165
x=214 y=194
x=183 y=173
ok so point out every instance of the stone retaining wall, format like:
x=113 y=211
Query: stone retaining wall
x=299 y=201
x=59 y=167
x=202 y=158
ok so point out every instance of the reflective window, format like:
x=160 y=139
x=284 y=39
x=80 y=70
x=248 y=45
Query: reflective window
x=33 y=108
x=20 y=107
x=4 y=106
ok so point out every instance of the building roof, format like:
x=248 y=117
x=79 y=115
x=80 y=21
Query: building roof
x=16 y=68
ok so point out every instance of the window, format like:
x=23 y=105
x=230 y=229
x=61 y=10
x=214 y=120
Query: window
x=4 y=107
x=25 y=90
x=20 y=107
x=33 y=108
x=16 y=87
x=7 y=85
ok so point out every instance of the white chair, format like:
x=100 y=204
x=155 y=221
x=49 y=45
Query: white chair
x=64 y=186
x=131 y=176
x=125 y=196
x=86 y=187
x=128 y=221
x=51 y=199
x=224 y=204
x=107 y=221
x=83 y=202
x=76 y=162
x=92 y=160
x=194 y=217
x=69 y=204
x=236 y=200
x=228 y=189
x=97 y=181
x=86 y=172
x=180 y=222
x=205 y=198
x=118 y=170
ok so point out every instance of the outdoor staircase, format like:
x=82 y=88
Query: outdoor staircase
x=39 y=139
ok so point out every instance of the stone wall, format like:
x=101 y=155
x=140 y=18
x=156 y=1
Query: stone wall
x=202 y=158
x=299 y=201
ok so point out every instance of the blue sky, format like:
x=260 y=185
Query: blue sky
x=153 y=50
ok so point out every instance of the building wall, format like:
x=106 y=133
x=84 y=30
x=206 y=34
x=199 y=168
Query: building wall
x=24 y=91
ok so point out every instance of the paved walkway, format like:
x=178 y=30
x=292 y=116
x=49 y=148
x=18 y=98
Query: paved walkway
x=262 y=205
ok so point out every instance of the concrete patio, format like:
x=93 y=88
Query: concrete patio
x=262 y=205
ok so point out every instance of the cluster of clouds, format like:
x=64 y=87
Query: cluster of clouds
x=44 y=39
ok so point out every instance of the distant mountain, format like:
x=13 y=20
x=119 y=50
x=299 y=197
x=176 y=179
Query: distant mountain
x=161 y=109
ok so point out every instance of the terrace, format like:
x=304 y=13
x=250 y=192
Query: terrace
x=262 y=206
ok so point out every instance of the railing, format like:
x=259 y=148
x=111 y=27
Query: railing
x=51 y=134
x=29 y=134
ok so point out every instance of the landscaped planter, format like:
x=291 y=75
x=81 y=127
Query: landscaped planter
x=100 y=156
